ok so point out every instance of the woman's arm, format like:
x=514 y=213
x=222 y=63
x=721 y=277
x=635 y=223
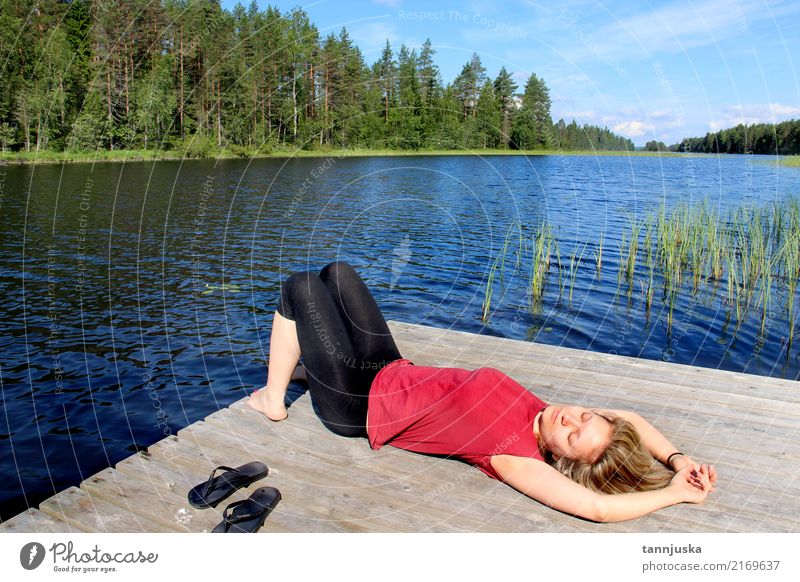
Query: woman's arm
x=658 y=446
x=540 y=481
x=653 y=440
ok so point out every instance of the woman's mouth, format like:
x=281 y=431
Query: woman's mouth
x=554 y=415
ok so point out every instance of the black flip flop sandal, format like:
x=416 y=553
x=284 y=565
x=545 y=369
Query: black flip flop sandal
x=215 y=489
x=248 y=515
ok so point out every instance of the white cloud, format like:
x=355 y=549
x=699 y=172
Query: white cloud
x=751 y=114
x=633 y=128
x=779 y=110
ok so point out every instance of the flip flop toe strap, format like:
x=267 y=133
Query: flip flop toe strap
x=231 y=517
x=213 y=482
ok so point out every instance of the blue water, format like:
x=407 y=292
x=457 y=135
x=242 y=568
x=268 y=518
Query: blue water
x=137 y=298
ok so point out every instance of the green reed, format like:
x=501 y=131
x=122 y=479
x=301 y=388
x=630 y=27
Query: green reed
x=562 y=280
x=542 y=244
x=574 y=263
x=717 y=249
x=751 y=253
x=598 y=253
x=790 y=254
x=648 y=295
x=633 y=251
x=734 y=288
x=622 y=246
x=499 y=262
x=487 y=299
x=649 y=228
x=668 y=254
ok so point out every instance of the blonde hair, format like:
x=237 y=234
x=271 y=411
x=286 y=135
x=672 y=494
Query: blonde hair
x=624 y=466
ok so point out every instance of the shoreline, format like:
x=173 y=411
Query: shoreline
x=53 y=157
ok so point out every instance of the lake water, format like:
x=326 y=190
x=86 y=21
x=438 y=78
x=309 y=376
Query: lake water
x=137 y=298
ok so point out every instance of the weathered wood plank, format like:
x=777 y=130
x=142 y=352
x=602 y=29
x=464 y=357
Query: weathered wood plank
x=171 y=484
x=340 y=488
x=139 y=497
x=93 y=514
x=35 y=521
x=288 y=514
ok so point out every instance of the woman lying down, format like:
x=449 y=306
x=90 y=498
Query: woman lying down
x=601 y=465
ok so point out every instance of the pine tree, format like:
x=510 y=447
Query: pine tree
x=490 y=117
x=386 y=72
x=406 y=126
x=154 y=101
x=505 y=91
x=428 y=74
x=536 y=100
x=353 y=90
x=468 y=83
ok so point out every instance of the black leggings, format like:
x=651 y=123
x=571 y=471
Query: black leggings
x=344 y=341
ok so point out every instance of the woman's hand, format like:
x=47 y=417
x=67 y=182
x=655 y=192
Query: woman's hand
x=693 y=485
x=680 y=462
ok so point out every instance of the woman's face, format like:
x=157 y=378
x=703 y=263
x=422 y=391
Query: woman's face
x=573 y=432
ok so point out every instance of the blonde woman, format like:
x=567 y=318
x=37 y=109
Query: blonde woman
x=601 y=465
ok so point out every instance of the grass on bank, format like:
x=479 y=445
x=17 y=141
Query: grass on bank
x=790 y=161
x=54 y=157
x=192 y=148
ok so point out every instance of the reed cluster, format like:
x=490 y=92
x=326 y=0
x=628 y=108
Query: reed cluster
x=748 y=257
x=750 y=249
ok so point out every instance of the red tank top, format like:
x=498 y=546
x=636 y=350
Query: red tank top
x=470 y=415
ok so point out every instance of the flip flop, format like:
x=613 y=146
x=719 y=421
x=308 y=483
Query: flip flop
x=248 y=515
x=215 y=489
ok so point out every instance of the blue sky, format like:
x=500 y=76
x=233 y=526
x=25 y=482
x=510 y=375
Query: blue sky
x=645 y=69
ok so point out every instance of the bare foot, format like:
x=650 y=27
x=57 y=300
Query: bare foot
x=263 y=403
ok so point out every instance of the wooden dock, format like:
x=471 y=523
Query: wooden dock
x=748 y=426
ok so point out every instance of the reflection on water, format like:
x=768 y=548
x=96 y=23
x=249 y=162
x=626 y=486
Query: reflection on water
x=137 y=298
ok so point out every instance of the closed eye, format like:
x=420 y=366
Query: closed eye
x=572 y=437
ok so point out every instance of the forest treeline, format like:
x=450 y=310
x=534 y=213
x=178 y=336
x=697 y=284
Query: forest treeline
x=762 y=138
x=95 y=74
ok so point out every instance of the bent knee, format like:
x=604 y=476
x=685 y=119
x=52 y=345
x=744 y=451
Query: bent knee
x=298 y=289
x=337 y=270
x=299 y=279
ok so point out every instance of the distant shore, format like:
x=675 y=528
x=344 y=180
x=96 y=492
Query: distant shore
x=52 y=157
